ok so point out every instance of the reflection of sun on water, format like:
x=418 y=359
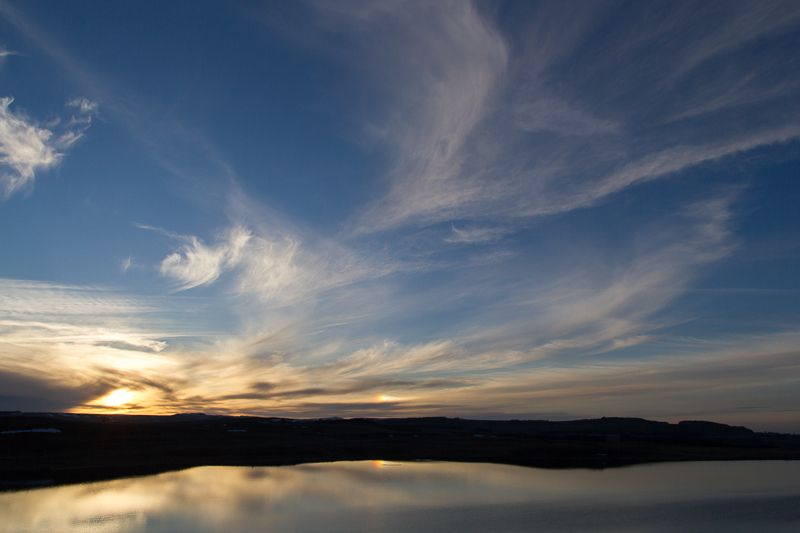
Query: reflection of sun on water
x=379 y=464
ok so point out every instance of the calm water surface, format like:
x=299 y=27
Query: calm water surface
x=428 y=496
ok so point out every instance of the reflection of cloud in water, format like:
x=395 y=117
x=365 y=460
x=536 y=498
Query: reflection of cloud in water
x=367 y=495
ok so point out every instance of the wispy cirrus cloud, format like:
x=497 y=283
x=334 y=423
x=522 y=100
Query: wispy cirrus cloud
x=24 y=149
x=196 y=263
x=739 y=379
x=449 y=62
x=512 y=121
x=61 y=337
x=270 y=268
x=126 y=264
x=269 y=260
x=5 y=52
x=475 y=234
x=596 y=304
x=185 y=153
x=33 y=312
x=739 y=24
x=279 y=366
x=27 y=148
x=29 y=297
x=588 y=308
x=275 y=268
x=582 y=314
x=74 y=343
x=84 y=106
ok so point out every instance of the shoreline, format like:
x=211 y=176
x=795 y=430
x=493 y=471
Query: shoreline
x=85 y=448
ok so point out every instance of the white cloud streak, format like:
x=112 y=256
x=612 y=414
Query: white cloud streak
x=475 y=234
x=126 y=264
x=449 y=62
x=24 y=149
x=85 y=106
x=740 y=380
x=27 y=148
x=275 y=267
x=196 y=263
x=579 y=315
x=88 y=340
x=491 y=124
x=51 y=328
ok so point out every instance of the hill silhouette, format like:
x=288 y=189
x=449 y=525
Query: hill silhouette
x=53 y=448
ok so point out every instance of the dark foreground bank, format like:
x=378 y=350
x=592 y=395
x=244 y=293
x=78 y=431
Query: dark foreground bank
x=46 y=449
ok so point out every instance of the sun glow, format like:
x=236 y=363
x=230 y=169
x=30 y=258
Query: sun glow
x=116 y=398
x=386 y=398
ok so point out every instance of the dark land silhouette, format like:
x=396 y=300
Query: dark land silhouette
x=41 y=449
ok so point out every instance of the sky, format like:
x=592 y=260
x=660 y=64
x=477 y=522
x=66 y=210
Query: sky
x=523 y=209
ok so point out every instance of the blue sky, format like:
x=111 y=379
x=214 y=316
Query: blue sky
x=500 y=209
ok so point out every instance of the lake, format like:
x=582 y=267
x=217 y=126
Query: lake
x=421 y=496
